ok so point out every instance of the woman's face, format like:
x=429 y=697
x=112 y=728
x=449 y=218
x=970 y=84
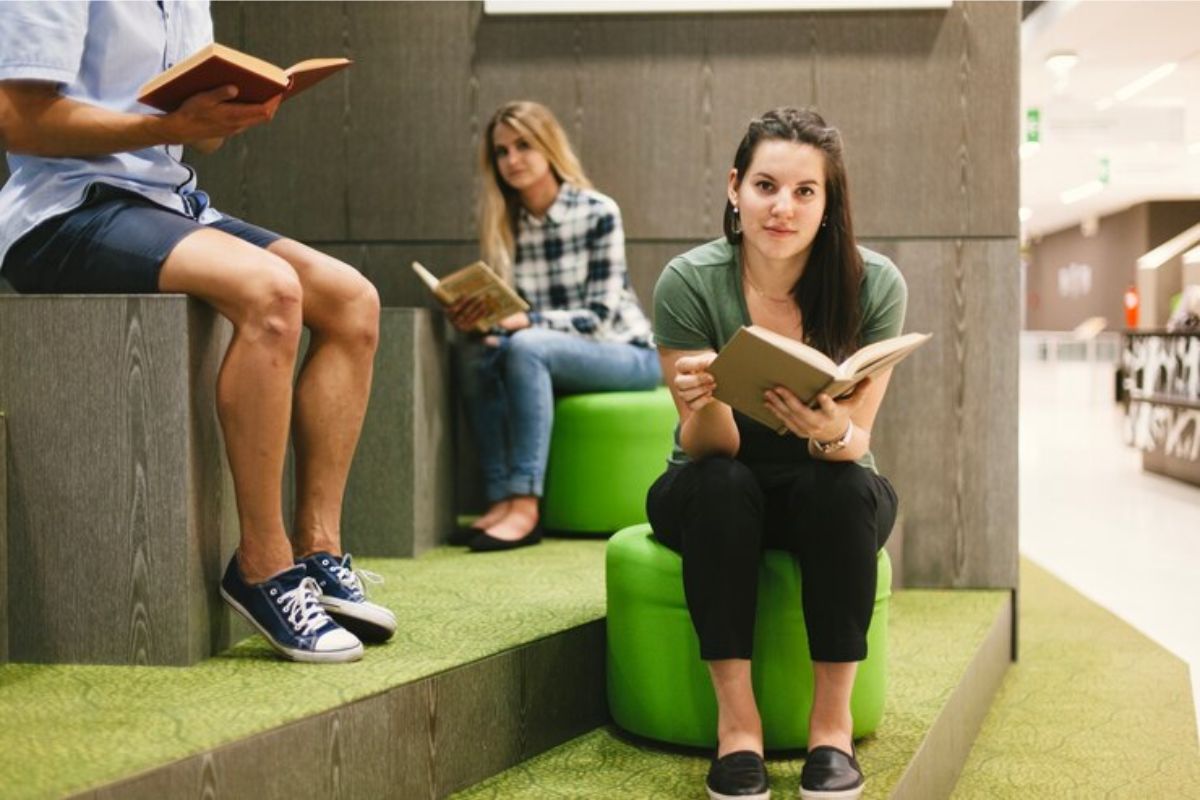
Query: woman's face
x=781 y=199
x=520 y=164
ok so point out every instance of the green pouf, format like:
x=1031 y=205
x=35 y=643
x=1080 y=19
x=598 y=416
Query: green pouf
x=605 y=451
x=659 y=688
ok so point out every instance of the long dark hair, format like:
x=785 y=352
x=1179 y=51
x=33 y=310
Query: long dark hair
x=828 y=290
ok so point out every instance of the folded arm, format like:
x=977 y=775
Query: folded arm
x=35 y=119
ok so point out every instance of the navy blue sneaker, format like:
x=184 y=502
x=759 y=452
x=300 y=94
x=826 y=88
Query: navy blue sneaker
x=285 y=610
x=343 y=596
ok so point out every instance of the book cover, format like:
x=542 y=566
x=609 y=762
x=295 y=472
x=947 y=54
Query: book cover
x=474 y=280
x=757 y=359
x=217 y=65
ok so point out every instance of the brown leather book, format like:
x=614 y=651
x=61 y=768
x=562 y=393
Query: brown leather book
x=757 y=359
x=217 y=65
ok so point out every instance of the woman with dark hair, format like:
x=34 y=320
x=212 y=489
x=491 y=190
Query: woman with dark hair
x=788 y=262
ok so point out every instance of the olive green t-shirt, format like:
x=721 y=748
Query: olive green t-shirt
x=699 y=305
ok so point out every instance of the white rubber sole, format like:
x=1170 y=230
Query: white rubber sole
x=841 y=794
x=311 y=656
x=714 y=795
x=367 y=621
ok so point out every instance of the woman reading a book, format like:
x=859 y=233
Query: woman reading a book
x=561 y=245
x=788 y=262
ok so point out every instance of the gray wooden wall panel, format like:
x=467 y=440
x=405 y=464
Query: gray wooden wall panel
x=104 y=441
x=641 y=98
x=532 y=58
x=3 y=539
x=929 y=143
x=411 y=126
x=303 y=189
x=947 y=431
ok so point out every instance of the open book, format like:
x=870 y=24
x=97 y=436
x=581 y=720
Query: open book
x=217 y=65
x=475 y=280
x=757 y=359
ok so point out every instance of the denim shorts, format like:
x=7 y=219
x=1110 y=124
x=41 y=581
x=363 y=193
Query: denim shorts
x=115 y=243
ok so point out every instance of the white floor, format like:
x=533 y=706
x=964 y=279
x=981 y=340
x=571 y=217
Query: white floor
x=1127 y=539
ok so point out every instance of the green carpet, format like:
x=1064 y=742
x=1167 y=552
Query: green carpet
x=933 y=637
x=1092 y=709
x=68 y=728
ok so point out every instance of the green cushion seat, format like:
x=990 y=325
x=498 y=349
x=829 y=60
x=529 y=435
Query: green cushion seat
x=659 y=688
x=605 y=451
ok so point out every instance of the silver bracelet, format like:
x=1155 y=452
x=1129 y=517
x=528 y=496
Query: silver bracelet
x=828 y=448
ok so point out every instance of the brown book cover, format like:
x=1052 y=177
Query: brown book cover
x=217 y=65
x=757 y=359
x=474 y=280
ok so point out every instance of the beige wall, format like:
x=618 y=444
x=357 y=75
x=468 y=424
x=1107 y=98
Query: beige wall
x=1111 y=254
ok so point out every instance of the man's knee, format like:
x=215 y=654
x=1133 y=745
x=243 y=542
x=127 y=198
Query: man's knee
x=273 y=303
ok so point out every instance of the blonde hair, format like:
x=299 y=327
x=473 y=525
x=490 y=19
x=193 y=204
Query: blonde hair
x=499 y=203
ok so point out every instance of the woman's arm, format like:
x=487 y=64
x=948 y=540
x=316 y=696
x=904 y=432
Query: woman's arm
x=706 y=425
x=830 y=421
x=35 y=119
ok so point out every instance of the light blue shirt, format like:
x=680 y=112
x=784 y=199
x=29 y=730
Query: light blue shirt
x=99 y=53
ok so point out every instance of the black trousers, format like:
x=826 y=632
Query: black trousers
x=721 y=513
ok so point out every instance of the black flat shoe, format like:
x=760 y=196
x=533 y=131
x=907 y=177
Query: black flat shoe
x=485 y=543
x=738 y=776
x=830 y=774
x=462 y=535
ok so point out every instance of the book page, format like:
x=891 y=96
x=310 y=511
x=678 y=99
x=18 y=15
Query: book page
x=809 y=355
x=869 y=359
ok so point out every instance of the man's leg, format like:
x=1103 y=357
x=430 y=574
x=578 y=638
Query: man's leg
x=341 y=310
x=261 y=295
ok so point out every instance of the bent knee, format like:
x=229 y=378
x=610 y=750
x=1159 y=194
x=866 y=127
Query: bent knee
x=722 y=479
x=272 y=308
x=532 y=342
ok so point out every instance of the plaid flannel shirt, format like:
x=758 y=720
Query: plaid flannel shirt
x=570 y=268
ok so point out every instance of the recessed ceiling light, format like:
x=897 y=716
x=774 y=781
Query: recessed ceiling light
x=1146 y=81
x=1081 y=192
x=1061 y=62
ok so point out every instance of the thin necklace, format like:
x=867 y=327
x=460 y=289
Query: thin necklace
x=761 y=293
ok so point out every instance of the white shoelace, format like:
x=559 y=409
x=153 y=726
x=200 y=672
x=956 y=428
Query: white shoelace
x=302 y=608
x=353 y=578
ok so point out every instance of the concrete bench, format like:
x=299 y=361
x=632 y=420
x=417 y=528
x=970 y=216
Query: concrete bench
x=121 y=512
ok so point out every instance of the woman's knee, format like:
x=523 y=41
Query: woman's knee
x=532 y=343
x=720 y=486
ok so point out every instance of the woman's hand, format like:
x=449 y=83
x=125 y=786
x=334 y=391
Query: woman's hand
x=515 y=322
x=825 y=423
x=694 y=384
x=466 y=312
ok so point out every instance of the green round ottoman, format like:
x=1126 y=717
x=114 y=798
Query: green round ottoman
x=605 y=451
x=659 y=688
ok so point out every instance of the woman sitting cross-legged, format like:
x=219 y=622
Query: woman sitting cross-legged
x=560 y=243
x=788 y=262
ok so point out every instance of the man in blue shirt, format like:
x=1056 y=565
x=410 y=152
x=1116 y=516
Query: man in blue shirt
x=100 y=201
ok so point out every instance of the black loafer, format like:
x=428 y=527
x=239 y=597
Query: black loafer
x=830 y=774
x=738 y=776
x=462 y=535
x=485 y=543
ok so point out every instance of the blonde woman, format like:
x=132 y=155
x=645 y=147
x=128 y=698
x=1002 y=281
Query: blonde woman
x=561 y=245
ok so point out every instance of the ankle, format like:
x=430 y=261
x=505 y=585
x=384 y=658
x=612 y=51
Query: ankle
x=830 y=737
x=257 y=567
x=525 y=506
x=731 y=741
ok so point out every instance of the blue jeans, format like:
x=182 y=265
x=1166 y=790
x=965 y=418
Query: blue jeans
x=509 y=393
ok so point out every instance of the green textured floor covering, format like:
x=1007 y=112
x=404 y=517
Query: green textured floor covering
x=1093 y=709
x=67 y=728
x=934 y=635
